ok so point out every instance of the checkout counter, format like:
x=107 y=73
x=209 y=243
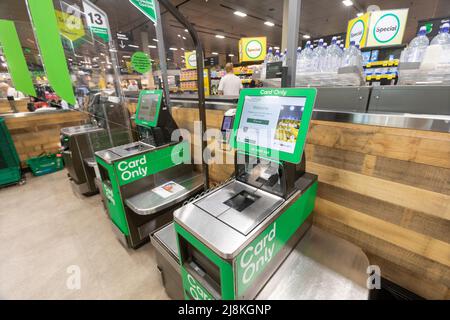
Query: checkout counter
x=144 y=182
x=233 y=239
x=108 y=127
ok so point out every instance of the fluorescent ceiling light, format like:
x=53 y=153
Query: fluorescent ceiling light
x=276 y=48
x=126 y=57
x=152 y=46
x=347 y=3
x=220 y=36
x=240 y=14
x=359 y=14
x=156 y=40
x=173 y=49
x=133 y=46
x=214 y=53
x=231 y=55
x=184 y=38
x=306 y=36
x=186 y=30
x=182 y=49
x=268 y=23
x=179 y=36
x=112 y=50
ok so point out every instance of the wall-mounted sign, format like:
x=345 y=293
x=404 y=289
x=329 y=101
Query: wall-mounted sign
x=386 y=28
x=252 y=49
x=147 y=7
x=140 y=62
x=190 y=59
x=357 y=30
x=96 y=21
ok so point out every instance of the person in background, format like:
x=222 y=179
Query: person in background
x=230 y=85
x=133 y=86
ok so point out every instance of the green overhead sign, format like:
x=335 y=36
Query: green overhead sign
x=147 y=7
x=17 y=65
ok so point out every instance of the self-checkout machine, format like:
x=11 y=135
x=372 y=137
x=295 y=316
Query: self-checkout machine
x=145 y=181
x=234 y=238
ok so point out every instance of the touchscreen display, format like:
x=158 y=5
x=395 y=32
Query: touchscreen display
x=227 y=123
x=147 y=109
x=271 y=122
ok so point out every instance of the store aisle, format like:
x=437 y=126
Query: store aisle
x=45 y=229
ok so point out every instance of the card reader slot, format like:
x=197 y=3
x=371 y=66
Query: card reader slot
x=242 y=200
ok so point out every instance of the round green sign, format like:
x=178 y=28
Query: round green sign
x=386 y=28
x=253 y=49
x=140 y=62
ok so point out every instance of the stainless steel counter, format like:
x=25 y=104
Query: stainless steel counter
x=148 y=202
x=321 y=267
x=35 y=113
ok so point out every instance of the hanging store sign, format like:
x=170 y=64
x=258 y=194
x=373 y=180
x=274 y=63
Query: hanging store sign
x=96 y=21
x=140 y=62
x=387 y=27
x=190 y=59
x=147 y=7
x=70 y=24
x=124 y=40
x=357 y=30
x=252 y=49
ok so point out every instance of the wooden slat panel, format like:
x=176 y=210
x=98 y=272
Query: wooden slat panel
x=432 y=203
x=376 y=141
x=420 y=244
x=430 y=271
x=410 y=280
x=409 y=219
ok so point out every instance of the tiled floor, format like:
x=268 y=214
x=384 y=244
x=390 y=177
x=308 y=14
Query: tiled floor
x=45 y=229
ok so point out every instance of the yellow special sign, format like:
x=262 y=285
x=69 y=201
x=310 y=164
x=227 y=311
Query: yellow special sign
x=71 y=26
x=357 y=30
x=190 y=59
x=252 y=49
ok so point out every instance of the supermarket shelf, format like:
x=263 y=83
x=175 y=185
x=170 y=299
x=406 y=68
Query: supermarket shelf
x=384 y=63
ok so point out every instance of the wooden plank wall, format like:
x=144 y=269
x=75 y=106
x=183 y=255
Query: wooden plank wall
x=385 y=189
x=21 y=106
x=40 y=133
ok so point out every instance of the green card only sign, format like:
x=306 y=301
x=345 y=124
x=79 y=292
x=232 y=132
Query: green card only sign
x=140 y=62
x=96 y=21
x=387 y=27
x=147 y=7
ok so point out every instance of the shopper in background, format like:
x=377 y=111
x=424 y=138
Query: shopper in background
x=230 y=85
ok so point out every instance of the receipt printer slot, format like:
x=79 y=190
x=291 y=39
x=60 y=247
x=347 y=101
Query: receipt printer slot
x=241 y=201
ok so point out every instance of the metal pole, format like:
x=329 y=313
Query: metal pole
x=162 y=54
x=292 y=40
x=200 y=81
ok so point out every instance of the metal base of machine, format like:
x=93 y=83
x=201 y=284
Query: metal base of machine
x=83 y=188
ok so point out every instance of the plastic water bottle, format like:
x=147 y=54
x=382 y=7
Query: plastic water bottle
x=443 y=37
x=269 y=56
x=333 y=56
x=277 y=57
x=418 y=46
x=299 y=55
x=305 y=58
x=352 y=57
x=284 y=57
x=318 y=56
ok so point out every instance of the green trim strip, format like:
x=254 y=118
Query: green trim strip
x=42 y=15
x=17 y=65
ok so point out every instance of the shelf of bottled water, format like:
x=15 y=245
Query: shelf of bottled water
x=322 y=66
x=425 y=62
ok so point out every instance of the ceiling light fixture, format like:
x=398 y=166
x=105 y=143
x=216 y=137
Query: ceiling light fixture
x=306 y=36
x=133 y=46
x=214 y=53
x=179 y=36
x=152 y=46
x=231 y=55
x=182 y=49
x=184 y=38
x=173 y=49
x=186 y=30
x=126 y=57
x=268 y=23
x=220 y=36
x=359 y=14
x=156 y=40
x=240 y=14
x=347 y=3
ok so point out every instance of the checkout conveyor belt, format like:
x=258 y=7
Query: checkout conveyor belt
x=321 y=266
